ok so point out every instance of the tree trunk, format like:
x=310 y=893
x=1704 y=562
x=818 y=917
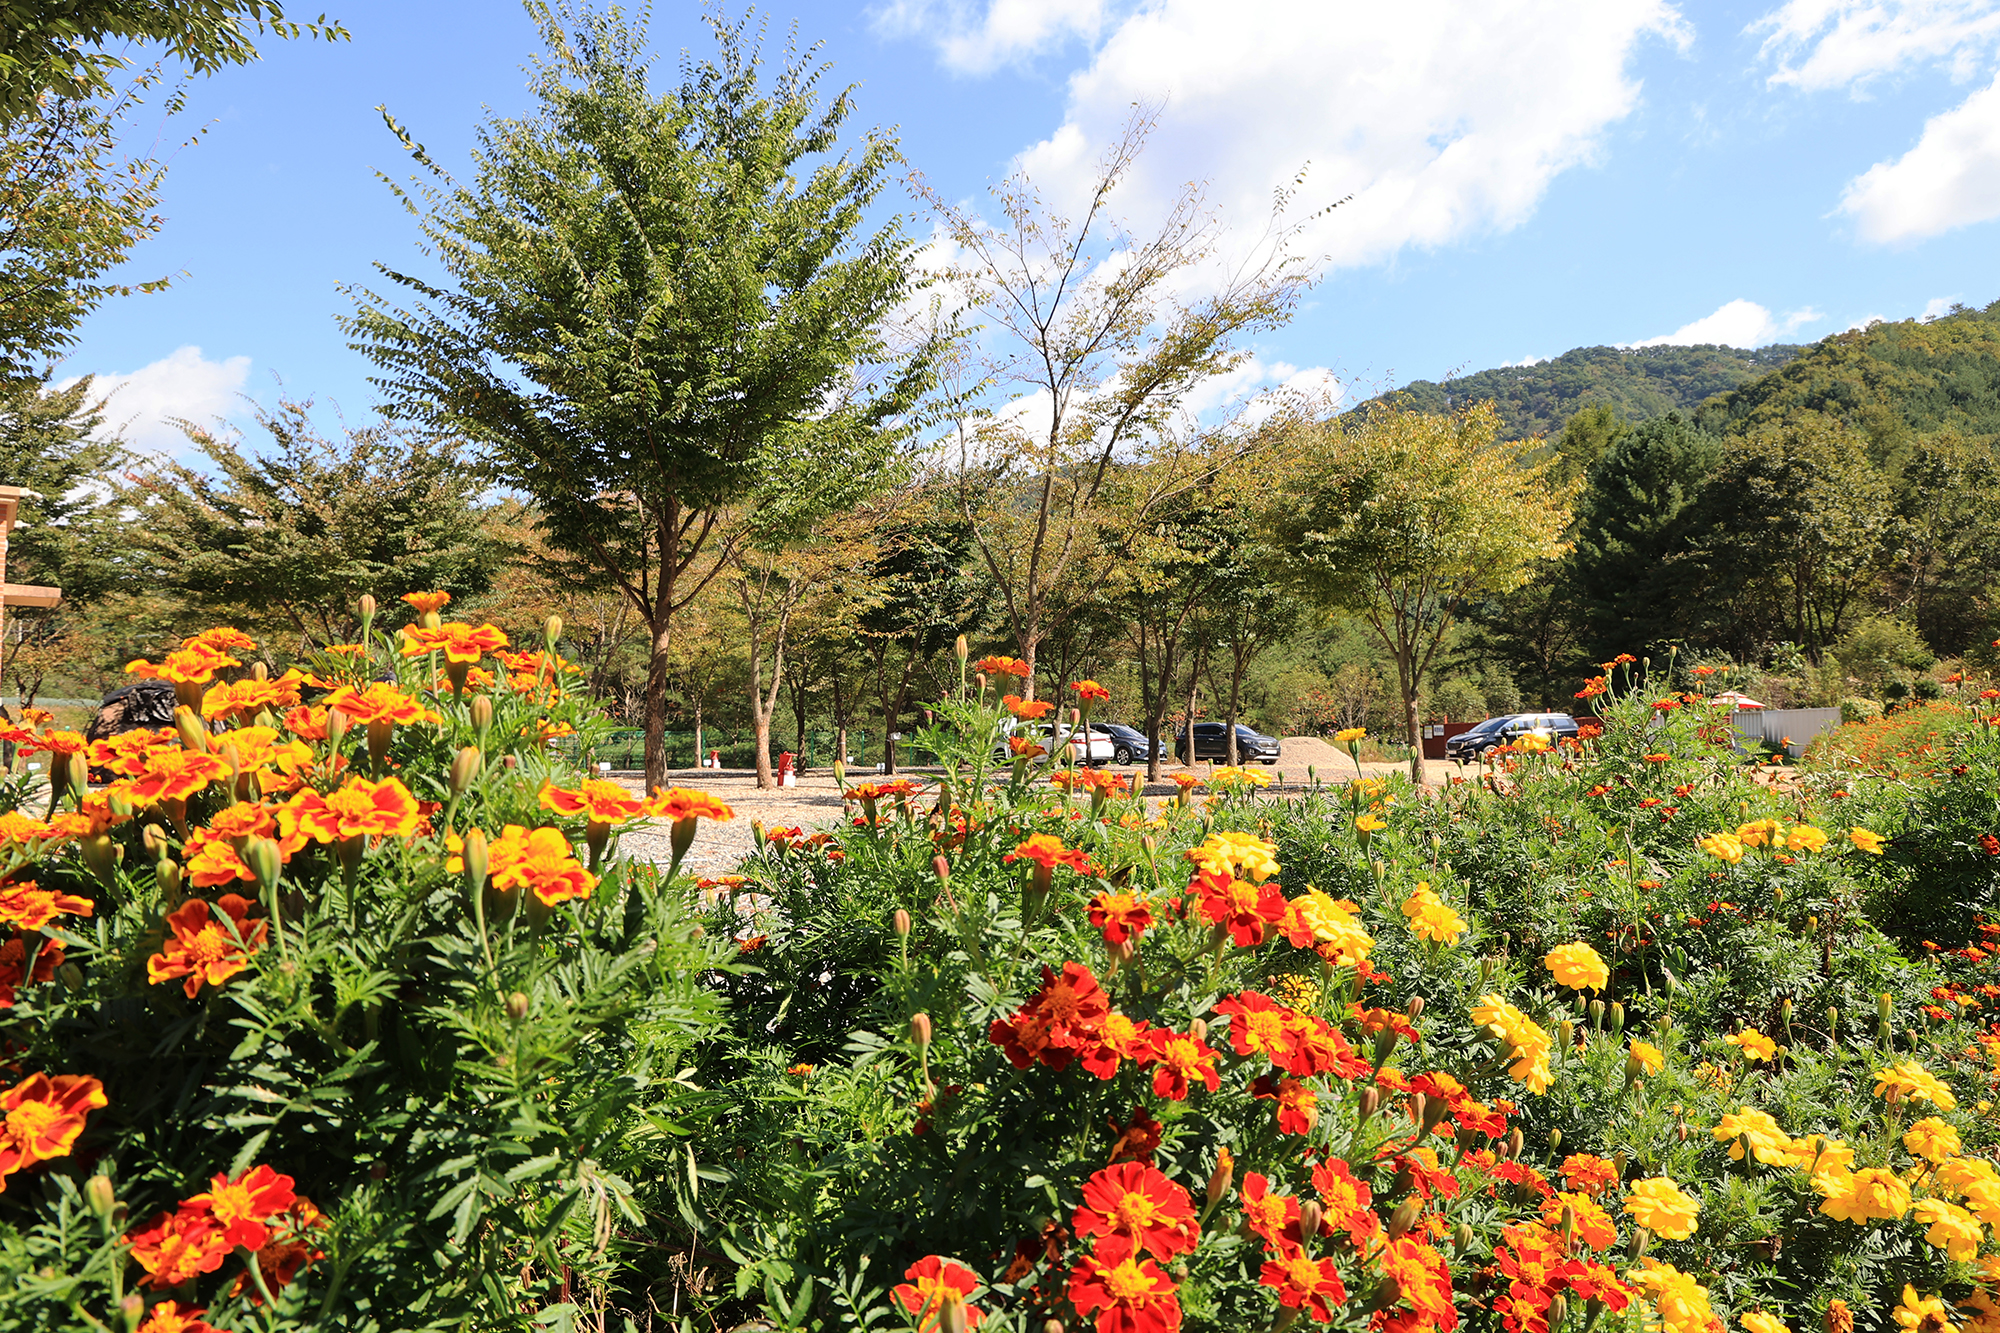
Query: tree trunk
x=697 y=731
x=656 y=706
x=1413 y=717
x=1237 y=664
x=1194 y=689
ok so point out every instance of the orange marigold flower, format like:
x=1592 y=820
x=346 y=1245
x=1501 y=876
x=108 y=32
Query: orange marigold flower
x=1274 y=1217
x=222 y=639
x=1118 y=1038
x=1243 y=908
x=1002 y=666
x=56 y=742
x=308 y=722
x=1259 y=1025
x=1131 y=1291
x=458 y=641
x=243 y=1207
x=1028 y=710
x=361 y=808
x=173 y=775
x=600 y=801
x=540 y=860
x=44 y=1115
x=1182 y=1058
x=1588 y=1173
x=1121 y=916
x=128 y=753
x=1062 y=1020
x=178 y=1247
x=427 y=602
x=1593 y=687
x=1187 y=782
x=932 y=1284
x=29 y=907
x=1423 y=1278
x=1349 y=1202
x=1298 y=1104
x=289 y=1250
x=1594 y=1226
x=1090 y=691
x=203 y=947
x=380 y=702
x=168 y=1317
x=17 y=827
x=1140 y=1204
x=678 y=803
x=14 y=971
x=245 y=697
x=1023 y=748
x=195 y=664
x=1048 y=852
x=1304 y=1283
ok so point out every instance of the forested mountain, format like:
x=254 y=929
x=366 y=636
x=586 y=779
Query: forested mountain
x=1637 y=384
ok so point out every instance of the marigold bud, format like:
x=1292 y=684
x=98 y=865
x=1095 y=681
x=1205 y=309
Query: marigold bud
x=367 y=606
x=517 y=1006
x=1220 y=1179
x=1595 y=1013
x=902 y=923
x=71 y=977
x=192 y=730
x=260 y=671
x=1311 y=1214
x=1405 y=1217
x=1368 y=1102
x=1642 y=1240
x=1053 y=1325
x=951 y=1312
x=474 y=855
x=131 y=1309
x=920 y=1029
x=482 y=714
x=1885 y=1006
x=167 y=875
x=1558 y=1308
x=1416 y=1009
x=102 y=856
x=1199 y=1031
x=336 y=727
x=465 y=766
x=1462 y=1237
x=1385 y=1045
x=1617 y=1016
x=553 y=630
x=101 y=1197
x=942 y=869
x=1515 y=1139
x=265 y=860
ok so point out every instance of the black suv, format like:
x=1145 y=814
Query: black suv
x=1211 y=741
x=1505 y=730
x=1129 y=744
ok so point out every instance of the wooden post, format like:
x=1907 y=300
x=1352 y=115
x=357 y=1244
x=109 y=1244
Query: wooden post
x=16 y=594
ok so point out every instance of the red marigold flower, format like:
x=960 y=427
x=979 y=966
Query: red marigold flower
x=178 y=1247
x=933 y=1283
x=601 y=802
x=1275 y=1217
x=458 y=641
x=540 y=860
x=1118 y=1038
x=1131 y=1291
x=1136 y=1202
x=1426 y=1174
x=1089 y=691
x=1348 y=1202
x=1121 y=916
x=168 y=1317
x=380 y=702
x=1181 y=1058
x=173 y=775
x=44 y=1115
x=289 y=1250
x=1666 y=705
x=1593 y=687
x=1423 y=1278
x=359 y=809
x=1588 y=1173
x=14 y=972
x=1062 y=1020
x=241 y=1208
x=204 y=947
x=1002 y=666
x=1028 y=710
x=1318 y=1049
x=28 y=907
x=1989 y=844
x=1023 y=748
x=1259 y=1025
x=1298 y=1104
x=427 y=602
x=1244 y=908
x=1520 y=1173
x=1305 y=1283
x=678 y=803
x=1138 y=1138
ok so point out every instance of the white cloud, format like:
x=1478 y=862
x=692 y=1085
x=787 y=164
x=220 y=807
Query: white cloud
x=1939 y=306
x=1443 y=120
x=1007 y=31
x=1737 y=323
x=1950 y=179
x=1823 y=44
x=1524 y=361
x=184 y=384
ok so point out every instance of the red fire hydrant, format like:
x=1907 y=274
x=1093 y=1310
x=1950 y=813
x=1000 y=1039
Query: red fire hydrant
x=785 y=769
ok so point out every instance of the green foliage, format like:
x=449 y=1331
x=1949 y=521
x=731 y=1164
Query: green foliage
x=297 y=532
x=1633 y=384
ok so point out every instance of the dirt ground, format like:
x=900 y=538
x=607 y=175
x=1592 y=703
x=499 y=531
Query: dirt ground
x=815 y=801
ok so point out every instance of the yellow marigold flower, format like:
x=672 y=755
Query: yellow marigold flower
x=1525 y=1038
x=1648 y=1057
x=1431 y=918
x=1805 y=838
x=1370 y=823
x=1761 y=832
x=1952 y=1229
x=1922 y=1314
x=1722 y=846
x=1347 y=735
x=1933 y=1140
x=1757 y=1321
x=1681 y=1302
x=1868 y=1195
x=1817 y=1153
x=1577 y=966
x=1660 y=1206
x=1961 y=1175
x=1533 y=742
x=1984 y=1312
x=1226 y=778
x=1338 y=935
x=1866 y=841
x=1754 y=1044
x=1908 y=1080
x=1230 y=853
x=1770 y=1144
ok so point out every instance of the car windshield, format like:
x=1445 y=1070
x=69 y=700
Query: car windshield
x=1491 y=724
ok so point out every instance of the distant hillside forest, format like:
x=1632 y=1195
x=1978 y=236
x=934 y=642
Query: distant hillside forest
x=1832 y=520
x=1636 y=383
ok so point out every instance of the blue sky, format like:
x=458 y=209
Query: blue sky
x=1528 y=175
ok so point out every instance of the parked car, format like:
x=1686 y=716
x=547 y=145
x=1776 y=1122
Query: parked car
x=1128 y=744
x=1505 y=730
x=1094 y=749
x=1211 y=741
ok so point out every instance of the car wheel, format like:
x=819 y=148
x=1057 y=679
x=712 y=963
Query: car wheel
x=1122 y=756
x=1270 y=763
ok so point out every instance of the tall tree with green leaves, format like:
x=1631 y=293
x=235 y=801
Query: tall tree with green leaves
x=294 y=534
x=660 y=311
x=1407 y=519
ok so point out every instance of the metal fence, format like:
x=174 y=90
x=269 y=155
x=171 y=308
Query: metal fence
x=626 y=749
x=1794 y=727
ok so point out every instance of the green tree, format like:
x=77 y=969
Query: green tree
x=657 y=311
x=1585 y=438
x=57 y=47
x=1944 y=569
x=1409 y=517
x=297 y=533
x=1627 y=575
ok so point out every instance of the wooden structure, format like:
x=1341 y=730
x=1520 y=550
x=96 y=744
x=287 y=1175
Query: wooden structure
x=17 y=594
